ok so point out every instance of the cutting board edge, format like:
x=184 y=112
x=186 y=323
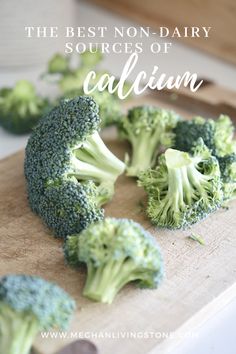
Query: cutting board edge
x=194 y=323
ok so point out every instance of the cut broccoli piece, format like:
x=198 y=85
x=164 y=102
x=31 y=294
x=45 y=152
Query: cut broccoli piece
x=28 y=305
x=75 y=80
x=71 y=79
x=196 y=238
x=58 y=64
x=228 y=175
x=110 y=109
x=90 y=59
x=70 y=172
x=116 y=252
x=21 y=108
x=184 y=188
x=61 y=71
x=217 y=135
x=219 y=138
x=147 y=128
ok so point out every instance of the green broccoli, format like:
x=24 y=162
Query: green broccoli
x=75 y=80
x=116 y=252
x=110 y=109
x=147 y=129
x=21 y=108
x=184 y=188
x=28 y=305
x=70 y=173
x=58 y=64
x=90 y=60
x=217 y=135
x=69 y=78
x=228 y=175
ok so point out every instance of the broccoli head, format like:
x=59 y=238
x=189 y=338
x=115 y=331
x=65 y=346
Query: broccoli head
x=228 y=175
x=58 y=64
x=184 y=188
x=110 y=109
x=116 y=252
x=87 y=61
x=75 y=79
x=28 y=305
x=70 y=173
x=216 y=134
x=147 y=129
x=90 y=59
x=68 y=76
x=21 y=108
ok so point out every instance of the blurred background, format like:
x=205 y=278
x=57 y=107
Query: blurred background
x=20 y=53
x=26 y=58
x=213 y=59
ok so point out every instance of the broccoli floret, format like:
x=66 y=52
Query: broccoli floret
x=125 y=88
x=21 y=108
x=110 y=109
x=70 y=172
x=216 y=134
x=90 y=59
x=58 y=64
x=75 y=79
x=147 y=129
x=28 y=305
x=116 y=252
x=68 y=76
x=228 y=175
x=184 y=188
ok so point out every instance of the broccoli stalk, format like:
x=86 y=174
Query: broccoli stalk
x=184 y=188
x=147 y=129
x=145 y=146
x=116 y=252
x=29 y=305
x=94 y=159
x=103 y=283
x=185 y=181
x=17 y=331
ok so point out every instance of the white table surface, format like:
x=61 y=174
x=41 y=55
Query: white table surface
x=217 y=335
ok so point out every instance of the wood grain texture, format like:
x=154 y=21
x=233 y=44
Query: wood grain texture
x=199 y=279
x=218 y=14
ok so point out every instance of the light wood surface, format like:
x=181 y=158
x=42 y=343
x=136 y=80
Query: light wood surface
x=199 y=281
x=218 y=14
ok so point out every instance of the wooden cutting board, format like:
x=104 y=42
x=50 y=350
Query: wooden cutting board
x=199 y=281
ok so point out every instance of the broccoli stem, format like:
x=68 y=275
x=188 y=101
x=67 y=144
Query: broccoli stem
x=105 y=281
x=183 y=187
x=94 y=159
x=144 y=151
x=185 y=184
x=174 y=200
x=17 y=331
